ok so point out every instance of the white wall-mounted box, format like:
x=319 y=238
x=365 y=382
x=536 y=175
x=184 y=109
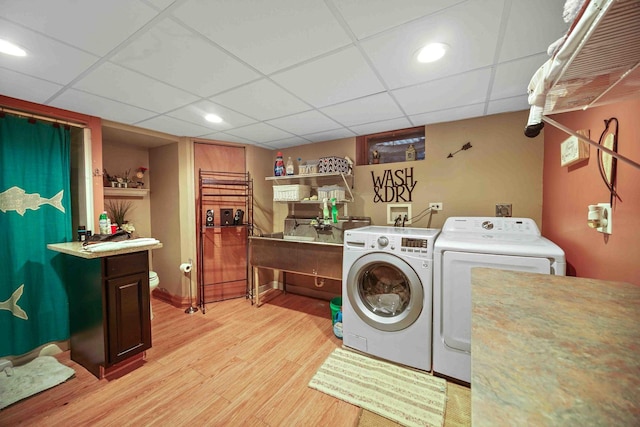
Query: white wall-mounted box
x=573 y=150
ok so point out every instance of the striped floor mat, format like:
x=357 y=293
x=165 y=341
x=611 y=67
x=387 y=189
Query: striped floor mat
x=406 y=396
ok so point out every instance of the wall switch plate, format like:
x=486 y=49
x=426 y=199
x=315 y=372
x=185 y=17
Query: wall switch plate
x=503 y=209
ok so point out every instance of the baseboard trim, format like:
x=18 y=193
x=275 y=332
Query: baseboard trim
x=175 y=300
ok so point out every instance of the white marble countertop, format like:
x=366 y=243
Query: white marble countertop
x=554 y=350
x=77 y=249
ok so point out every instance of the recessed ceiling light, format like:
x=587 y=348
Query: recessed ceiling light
x=432 y=52
x=213 y=118
x=11 y=49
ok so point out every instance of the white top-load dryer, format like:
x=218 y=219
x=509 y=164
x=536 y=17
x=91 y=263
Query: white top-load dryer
x=467 y=242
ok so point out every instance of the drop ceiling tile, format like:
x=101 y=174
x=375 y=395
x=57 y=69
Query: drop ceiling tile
x=184 y=59
x=512 y=78
x=225 y=137
x=94 y=105
x=364 y=110
x=330 y=135
x=331 y=79
x=393 y=53
x=262 y=100
x=267 y=35
x=287 y=142
x=260 y=132
x=117 y=83
x=367 y=17
x=29 y=88
x=88 y=25
x=161 y=4
x=195 y=113
x=382 y=126
x=46 y=58
x=449 y=115
x=532 y=26
x=173 y=126
x=456 y=91
x=307 y=122
x=516 y=103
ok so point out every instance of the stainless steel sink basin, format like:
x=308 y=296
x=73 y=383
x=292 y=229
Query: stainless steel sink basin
x=299 y=238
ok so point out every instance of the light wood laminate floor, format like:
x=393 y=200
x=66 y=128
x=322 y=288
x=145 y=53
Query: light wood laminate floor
x=235 y=365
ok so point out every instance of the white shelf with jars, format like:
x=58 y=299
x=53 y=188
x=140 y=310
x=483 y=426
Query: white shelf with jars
x=316 y=181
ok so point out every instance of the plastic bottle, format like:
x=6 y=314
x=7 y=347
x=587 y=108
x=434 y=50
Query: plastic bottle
x=334 y=211
x=290 y=169
x=278 y=169
x=325 y=209
x=103 y=222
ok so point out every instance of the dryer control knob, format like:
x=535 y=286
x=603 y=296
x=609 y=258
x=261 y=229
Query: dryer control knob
x=383 y=241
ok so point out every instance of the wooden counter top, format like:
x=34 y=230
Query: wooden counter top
x=76 y=249
x=554 y=350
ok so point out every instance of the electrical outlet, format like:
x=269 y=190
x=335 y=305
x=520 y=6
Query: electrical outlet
x=435 y=206
x=503 y=209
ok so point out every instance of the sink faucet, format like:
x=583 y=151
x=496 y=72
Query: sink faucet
x=321 y=224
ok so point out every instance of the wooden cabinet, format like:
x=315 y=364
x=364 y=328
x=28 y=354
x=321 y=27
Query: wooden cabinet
x=110 y=324
x=126 y=285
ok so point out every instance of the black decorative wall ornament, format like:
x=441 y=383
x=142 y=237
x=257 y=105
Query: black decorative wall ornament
x=464 y=147
x=393 y=186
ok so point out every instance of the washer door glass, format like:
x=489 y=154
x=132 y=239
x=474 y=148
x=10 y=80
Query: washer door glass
x=384 y=291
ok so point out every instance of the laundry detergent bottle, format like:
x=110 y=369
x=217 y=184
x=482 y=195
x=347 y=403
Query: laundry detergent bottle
x=278 y=168
x=334 y=211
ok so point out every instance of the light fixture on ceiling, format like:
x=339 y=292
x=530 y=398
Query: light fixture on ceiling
x=431 y=52
x=213 y=118
x=11 y=49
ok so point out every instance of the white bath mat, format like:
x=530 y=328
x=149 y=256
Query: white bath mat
x=40 y=374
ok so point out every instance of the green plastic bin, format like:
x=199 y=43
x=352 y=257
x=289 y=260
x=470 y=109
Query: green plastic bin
x=336 y=306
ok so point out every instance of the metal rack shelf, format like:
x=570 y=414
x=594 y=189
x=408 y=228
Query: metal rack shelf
x=216 y=189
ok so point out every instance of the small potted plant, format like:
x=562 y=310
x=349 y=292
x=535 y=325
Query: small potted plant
x=118 y=210
x=109 y=180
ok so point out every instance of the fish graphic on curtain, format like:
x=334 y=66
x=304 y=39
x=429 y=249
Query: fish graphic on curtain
x=16 y=199
x=35 y=210
x=12 y=304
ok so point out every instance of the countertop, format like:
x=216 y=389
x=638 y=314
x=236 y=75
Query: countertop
x=76 y=249
x=554 y=350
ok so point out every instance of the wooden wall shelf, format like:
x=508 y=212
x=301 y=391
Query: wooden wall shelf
x=125 y=192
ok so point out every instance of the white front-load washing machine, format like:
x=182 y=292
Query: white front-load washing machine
x=386 y=293
x=467 y=242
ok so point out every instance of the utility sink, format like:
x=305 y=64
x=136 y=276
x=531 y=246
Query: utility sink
x=299 y=238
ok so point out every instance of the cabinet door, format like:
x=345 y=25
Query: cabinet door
x=128 y=317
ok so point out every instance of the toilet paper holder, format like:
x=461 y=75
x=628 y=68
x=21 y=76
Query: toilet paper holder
x=185 y=268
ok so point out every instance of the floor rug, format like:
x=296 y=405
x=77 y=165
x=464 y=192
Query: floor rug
x=40 y=374
x=406 y=396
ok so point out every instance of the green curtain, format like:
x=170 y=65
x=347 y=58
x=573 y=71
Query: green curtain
x=35 y=209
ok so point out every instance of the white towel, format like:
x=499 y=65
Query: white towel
x=112 y=246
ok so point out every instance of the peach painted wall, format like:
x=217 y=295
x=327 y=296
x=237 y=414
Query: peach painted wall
x=567 y=191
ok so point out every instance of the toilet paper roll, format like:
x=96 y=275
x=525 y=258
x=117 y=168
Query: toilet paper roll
x=185 y=267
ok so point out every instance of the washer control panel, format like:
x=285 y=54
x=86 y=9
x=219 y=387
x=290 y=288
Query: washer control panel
x=415 y=246
x=521 y=226
x=402 y=241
